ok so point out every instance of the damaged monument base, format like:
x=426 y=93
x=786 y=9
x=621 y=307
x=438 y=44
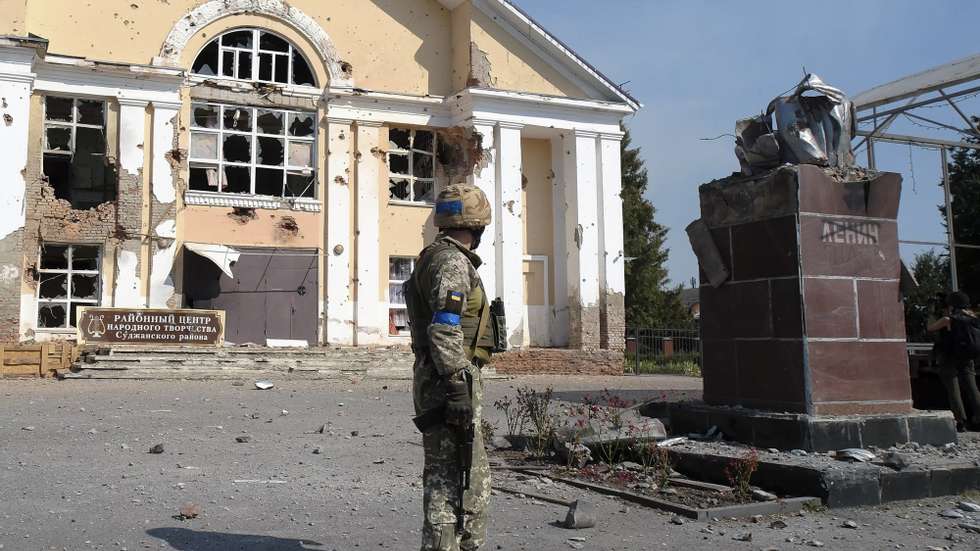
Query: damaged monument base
x=803 y=313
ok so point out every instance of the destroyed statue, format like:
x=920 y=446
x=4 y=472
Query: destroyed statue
x=453 y=338
x=814 y=126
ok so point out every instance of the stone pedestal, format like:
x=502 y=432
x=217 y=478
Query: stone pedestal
x=810 y=319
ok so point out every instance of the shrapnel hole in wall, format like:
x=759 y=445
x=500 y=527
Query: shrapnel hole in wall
x=75 y=163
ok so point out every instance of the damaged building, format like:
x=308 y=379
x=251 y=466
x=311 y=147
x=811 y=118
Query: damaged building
x=279 y=161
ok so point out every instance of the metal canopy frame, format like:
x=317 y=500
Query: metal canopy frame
x=884 y=104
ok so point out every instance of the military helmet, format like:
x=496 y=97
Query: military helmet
x=462 y=206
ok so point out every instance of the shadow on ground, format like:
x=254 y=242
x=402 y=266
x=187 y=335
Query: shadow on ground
x=192 y=540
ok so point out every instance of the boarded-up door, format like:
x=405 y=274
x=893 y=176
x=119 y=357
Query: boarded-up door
x=273 y=294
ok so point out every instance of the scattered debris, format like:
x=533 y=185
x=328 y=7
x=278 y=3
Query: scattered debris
x=28 y=429
x=850 y=524
x=243 y=439
x=317 y=450
x=970 y=527
x=677 y=520
x=258 y=481
x=264 y=385
x=762 y=495
x=156 y=449
x=951 y=513
x=672 y=441
x=188 y=511
x=744 y=536
x=854 y=454
x=379 y=461
x=778 y=524
x=894 y=460
x=581 y=514
x=969 y=507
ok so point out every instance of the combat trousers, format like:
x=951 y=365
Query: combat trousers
x=440 y=480
x=960 y=377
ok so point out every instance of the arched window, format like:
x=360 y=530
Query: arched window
x=254 y=55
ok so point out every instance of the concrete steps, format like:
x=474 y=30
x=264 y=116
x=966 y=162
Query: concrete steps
x=133 y=362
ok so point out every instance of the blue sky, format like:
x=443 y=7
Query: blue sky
x=698 y=66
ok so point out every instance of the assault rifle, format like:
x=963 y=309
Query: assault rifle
x=464 y=449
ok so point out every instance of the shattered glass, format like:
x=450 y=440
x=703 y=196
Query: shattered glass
x=227 y=64
x=238 y=148
x=282 y=69
x=53 y=286
x=204 y=145
x=237 y=39
x=51 y=315
x=398 y=189
x=85 y=258
x=397 y=163
x=399 y=138
x=205 y=116
x=265 y=67
x=238 y=119
x=422 y=165
x=54 y=257
x=269 y=122
x=89 y=141
x=423 y=191
x=271 y=151
x=268 y=181
x=207 y=61
x=271 y=42
x=300 y=185
x=58 y=109
x=238 y=179
x=204 y=178
x=58 y=138
x=84 y=286
x=423 y=140
x=300 y=154
x=300 y=124
x=91 y=112
x=302 y=74
x=245 y=65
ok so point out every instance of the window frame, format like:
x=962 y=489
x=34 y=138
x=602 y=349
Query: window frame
x=73 y=124
x=219 y=163
x=411 y=178
x=69 y=302
x=392 y=306
x=256 y=52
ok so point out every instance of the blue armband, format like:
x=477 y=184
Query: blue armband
x=446 y=318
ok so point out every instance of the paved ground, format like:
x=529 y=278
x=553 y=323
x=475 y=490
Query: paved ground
x=75 y=474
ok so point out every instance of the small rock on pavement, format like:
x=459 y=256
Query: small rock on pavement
x=27 y=428
x=188 y=511
x=157 y=448
x=762 y=495
x=895 y=460
x=777 y=525
x=799 y=453
x=580 y=515
x=815 y=543
x=951 y=513
x=968 y=507
x=263 y=385
x=677 y=520
x=745 y=536
x=244 y=439
x=317 y=451
x=970 y=527
x=849 y=524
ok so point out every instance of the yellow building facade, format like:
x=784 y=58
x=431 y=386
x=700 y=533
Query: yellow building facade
x=279 y=161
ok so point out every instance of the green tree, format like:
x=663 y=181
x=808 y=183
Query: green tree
x=931 y=270
x=964 y=184
x=650 y=301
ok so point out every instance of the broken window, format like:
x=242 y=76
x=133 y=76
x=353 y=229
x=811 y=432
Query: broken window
x=68 y=278
x=254 y=150
x=254 y=55
x=411 y=165
x=75 y=162
x=399 y=270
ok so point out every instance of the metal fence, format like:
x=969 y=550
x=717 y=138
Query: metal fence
x=663 y=351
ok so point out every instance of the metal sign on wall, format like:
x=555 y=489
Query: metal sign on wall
x=150 y=326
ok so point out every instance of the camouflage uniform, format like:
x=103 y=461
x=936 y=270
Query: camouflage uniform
x=445 y=320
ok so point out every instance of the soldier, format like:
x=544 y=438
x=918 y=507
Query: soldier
x=449 y=319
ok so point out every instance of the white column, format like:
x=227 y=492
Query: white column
x=165 y=117
x=509 y=213
x=559 y=323
x=612 y=255
x=339 y=304
x=370 y=316
x=486 y=180
x=582 y=237
x=129 y=291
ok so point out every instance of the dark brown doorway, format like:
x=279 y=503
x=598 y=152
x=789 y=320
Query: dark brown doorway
x=273 y=294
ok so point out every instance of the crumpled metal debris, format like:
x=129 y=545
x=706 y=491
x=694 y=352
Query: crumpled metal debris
x=814 y=125
x=854 y=454
x=672 y=441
